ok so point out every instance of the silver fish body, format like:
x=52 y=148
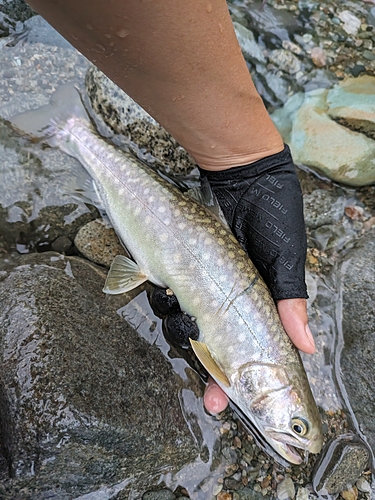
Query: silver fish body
x=178 y=243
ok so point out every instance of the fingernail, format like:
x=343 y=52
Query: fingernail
x=309 y=335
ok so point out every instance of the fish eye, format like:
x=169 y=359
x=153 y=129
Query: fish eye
x=299 y=426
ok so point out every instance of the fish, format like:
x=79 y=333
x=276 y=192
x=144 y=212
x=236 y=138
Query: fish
x=177 y=242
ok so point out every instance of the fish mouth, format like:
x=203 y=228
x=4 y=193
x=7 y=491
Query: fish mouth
x=292 y=453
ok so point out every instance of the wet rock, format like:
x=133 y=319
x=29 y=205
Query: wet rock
x=341 y=463
x=286 y=61
x=16 y=9
x=286 y=489
x=179 y=328
x=351 y=22
x=363 y=485
x=322 y=207
x=62 y=244
x=224 y=495
x=99 y=243
x=321 y=143
x=249 y=46
x=357 y=357
x=302 y=494
x=163 y=301
x=146 y=137
x=352 y=103
x=164 y=494
x=318 y=57
x=249 y=494
x=84 y=400
x=350 y=494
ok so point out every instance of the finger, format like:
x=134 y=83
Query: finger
x=215 y=400
x=293 y=315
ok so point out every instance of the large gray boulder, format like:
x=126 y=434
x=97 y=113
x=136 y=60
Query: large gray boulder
x=84 y=400
x=357 y=358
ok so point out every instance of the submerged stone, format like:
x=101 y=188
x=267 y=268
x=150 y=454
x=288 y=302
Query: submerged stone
x=99 y=243
x=340 y=465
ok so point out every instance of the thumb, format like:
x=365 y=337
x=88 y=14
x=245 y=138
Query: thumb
x=293 y=315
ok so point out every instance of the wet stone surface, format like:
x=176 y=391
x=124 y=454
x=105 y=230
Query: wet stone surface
x=98 y=243
x=344 y=461
x=84 y=400
x=357 y=358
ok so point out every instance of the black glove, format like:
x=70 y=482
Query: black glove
x=262 y=203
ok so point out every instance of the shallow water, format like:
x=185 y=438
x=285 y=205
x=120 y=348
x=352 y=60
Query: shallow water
x=33 y=185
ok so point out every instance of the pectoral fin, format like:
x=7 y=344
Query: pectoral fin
x=204 y=356
x=205 y=196
x=123 y=276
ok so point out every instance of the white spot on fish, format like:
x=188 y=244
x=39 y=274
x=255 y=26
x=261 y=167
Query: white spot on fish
x=148 y=219
x=162 y=209
x=230 y=349
x=181 y=226
x=177 y=257
x=192 y=241
x=242 y=337
x=146 y=191
x=196 y=301
x=121 y=191
x=163 y=237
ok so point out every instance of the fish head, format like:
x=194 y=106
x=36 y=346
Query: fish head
x=279 y=403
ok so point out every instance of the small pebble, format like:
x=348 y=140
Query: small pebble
x=350 y=494
x=217 y=488
x=285 y=489
x=224 y=495
x=62 y=244
x=164 y=494
x=302 y=494
x=363 y=485
x=237 y=442
x=318 y=57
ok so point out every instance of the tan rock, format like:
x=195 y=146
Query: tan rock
x=318 y=57
x=98 y=243
x=352 y=103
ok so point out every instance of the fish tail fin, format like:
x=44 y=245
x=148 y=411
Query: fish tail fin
x=48 y=123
